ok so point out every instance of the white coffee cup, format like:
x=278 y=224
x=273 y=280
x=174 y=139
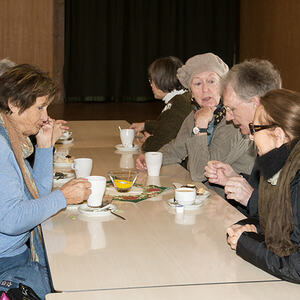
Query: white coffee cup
x=153 y=162
x=98 y=185
x=82 y=167
x=127 y=136
x=185 y=196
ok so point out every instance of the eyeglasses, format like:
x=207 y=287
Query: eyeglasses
x=255 y=128
x=150 y=80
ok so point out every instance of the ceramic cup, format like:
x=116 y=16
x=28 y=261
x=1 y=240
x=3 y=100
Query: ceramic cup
x=153 y=162
x=185 y=196
x=82 y=167
x=127 y=136
x=98 y=185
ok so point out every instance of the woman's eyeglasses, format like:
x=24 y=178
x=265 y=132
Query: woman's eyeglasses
x=255 y=128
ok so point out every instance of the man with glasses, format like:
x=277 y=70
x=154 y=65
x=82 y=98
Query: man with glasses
x=242 y=88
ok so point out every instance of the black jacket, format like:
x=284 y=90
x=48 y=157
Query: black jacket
x=251 y=246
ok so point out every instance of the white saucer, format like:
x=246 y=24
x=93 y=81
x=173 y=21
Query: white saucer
x=194 y=206
x=65 y=141
x=203 y=196
x=121 y=148
x=73 y=206
x=96 y=211
x=63 y=165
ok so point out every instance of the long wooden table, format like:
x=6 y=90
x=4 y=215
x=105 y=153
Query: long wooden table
x=154 y=247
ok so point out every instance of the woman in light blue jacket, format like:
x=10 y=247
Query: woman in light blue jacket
x=26 y=199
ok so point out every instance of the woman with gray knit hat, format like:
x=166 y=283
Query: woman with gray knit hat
x=204 y=134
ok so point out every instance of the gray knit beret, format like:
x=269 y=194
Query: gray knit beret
x=198 y=64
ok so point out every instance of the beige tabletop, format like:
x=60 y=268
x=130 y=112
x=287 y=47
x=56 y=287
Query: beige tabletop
x=90 y=134
x=153 y=247
x=243 y=291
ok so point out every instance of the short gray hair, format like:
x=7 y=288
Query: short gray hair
x=5 y=64
x=252 y=78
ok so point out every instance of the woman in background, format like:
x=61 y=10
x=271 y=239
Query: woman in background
x=205 y=134
x=165 y=86
x=272 y=241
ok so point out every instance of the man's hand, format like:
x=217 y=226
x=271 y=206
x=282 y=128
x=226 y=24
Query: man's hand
x=218 y=172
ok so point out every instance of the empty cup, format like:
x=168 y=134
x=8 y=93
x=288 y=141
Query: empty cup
x=153 y=162
x=98 y=185
x=82 y=167
x=127 y=136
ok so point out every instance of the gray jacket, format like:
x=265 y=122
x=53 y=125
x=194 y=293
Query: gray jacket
x=227 y=145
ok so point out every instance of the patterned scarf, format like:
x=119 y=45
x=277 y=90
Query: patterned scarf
x=22 y=148
x=274 y=206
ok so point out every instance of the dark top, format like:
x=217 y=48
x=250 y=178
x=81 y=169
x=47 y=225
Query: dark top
x=168 y=123
x=251 y=246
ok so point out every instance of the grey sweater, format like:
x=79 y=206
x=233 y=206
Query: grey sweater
x=227 y=145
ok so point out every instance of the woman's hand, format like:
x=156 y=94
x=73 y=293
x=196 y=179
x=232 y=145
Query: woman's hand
x=76 y=190
x=138 y=127
x=58 y=129
x=218 y=172
x=44 y=136
x=203 y=116
x=238 y=189
x=140 y=163
x=235 y=231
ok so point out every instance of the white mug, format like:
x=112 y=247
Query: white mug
x=127 y=137
x=153 y=162
x=98 y=185
x=82 y=167
x=185 y=196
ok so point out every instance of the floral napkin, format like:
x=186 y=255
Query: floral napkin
x=147 y=191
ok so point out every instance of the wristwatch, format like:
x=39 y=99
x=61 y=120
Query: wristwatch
x=197 y=130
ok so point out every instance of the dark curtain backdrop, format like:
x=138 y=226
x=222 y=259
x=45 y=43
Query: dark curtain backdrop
x=109 y=44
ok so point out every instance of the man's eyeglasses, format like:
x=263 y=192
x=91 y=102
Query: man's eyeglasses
x=255 y=128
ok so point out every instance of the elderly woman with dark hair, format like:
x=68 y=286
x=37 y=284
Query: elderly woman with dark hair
x=205 y=134
x=26 y=199
x=271 y=241
x=165 y=86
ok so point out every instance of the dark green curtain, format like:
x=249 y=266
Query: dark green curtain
x=109 y=44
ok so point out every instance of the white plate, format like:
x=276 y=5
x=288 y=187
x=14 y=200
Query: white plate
x=65 y=141
x=68 y=176
x=194 y=206
x=121 y=148
x=63 y=165
x=96 y=211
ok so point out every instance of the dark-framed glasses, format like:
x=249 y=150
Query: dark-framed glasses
x=150 y=80
x=255 y=128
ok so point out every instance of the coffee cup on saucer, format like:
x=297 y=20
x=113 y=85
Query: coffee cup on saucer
x=185 y=196
x=127 y=137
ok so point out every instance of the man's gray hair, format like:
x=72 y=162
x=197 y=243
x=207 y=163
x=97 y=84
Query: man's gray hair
x=5 y=64
x=252 y=78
